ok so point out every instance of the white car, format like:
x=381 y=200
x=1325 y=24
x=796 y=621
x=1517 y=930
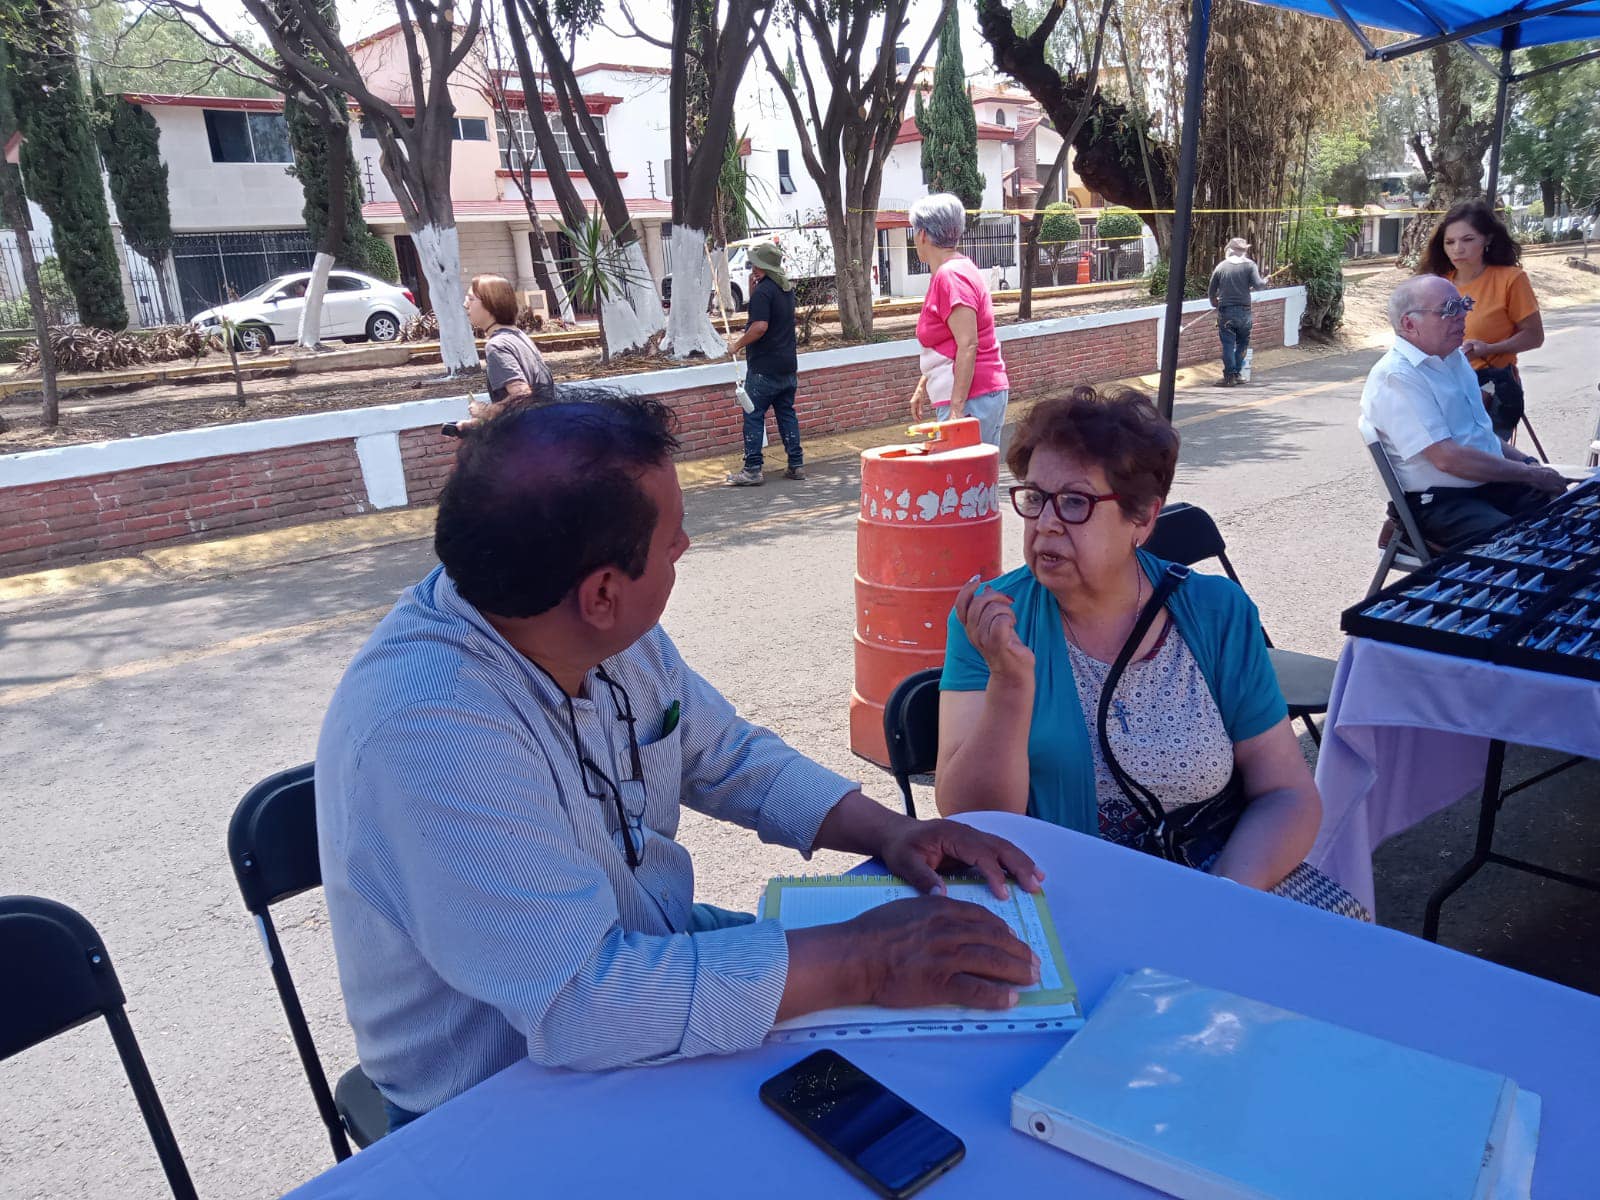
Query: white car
x=354 y=306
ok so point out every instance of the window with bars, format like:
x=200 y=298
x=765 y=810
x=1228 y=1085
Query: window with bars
x=518 y=147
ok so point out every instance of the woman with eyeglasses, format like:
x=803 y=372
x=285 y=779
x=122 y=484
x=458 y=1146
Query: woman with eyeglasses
x=1195 y=713
x=1474 y=250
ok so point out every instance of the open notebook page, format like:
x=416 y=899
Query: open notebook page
x=800 y=903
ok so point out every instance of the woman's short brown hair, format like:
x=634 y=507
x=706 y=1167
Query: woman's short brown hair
x=1119 y=431
x=497 y=295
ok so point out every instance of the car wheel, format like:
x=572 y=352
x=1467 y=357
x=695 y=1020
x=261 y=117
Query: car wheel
x=253 y=338
x=383 y=327
x=738 y=297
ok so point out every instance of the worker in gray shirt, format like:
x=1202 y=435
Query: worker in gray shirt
x=1232 y=281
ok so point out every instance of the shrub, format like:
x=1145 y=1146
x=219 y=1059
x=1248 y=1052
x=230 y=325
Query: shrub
x=1193 y=287
x=378 y=260
x=1119 y=225
x=11 y=348
x=424 y=327
x=1315 y=255
x=82 y=348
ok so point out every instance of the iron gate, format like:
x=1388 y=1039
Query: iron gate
x=15 y=311
x=213 y=268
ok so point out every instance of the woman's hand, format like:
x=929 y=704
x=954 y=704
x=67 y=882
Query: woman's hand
x=919 y=399
x=991 y=627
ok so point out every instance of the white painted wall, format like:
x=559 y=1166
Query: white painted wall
x=206 y=195
x=902 y=174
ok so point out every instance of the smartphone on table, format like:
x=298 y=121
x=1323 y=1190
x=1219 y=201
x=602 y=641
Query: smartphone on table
x=882 y=1140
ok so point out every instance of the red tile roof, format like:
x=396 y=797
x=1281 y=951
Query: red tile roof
x=986 y=132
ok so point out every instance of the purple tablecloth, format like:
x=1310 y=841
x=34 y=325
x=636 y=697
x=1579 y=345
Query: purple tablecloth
x=697 y=1129
x=1407 y=734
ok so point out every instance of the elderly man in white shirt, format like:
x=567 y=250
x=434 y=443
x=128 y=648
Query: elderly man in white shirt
x=501 y=776
x=1422 y=404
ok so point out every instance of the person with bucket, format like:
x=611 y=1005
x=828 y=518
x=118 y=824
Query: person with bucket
x=1232 y=281
x=768 y=342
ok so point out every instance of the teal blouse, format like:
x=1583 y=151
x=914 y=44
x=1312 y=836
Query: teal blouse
x=1211 y=613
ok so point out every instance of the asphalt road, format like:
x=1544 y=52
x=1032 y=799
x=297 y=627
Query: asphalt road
x=132 y=722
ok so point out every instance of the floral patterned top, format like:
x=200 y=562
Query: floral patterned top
x=1165 y=729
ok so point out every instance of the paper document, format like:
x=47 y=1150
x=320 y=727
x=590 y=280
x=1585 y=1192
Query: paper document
x=800 y=903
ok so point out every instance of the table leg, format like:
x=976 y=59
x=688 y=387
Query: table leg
x=1488 y=810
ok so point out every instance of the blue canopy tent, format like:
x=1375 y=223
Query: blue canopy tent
x=1476 y=25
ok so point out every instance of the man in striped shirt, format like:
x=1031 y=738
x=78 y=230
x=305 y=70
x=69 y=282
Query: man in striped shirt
x=499 y=782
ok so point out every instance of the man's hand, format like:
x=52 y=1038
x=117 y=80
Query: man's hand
x=917 y=850
x=1546 y=479
x=1475 y=348
x=934 y=950
x=991 y=627
x=735 y=344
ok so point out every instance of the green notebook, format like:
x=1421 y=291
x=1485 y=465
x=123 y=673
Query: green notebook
x=1052 y=1004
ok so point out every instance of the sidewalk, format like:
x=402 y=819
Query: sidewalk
x=345 y=535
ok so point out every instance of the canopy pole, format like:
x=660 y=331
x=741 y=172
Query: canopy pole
x=1178 y=251
x=1499 y=124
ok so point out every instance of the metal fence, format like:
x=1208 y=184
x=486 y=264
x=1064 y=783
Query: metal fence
x=151 y=293
x=15 y=311
x=213 y=268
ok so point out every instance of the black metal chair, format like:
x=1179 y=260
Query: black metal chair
x=69 y=981
x=272 y=843
x=1401 y=542
x=911 y=728
x=1187 y=534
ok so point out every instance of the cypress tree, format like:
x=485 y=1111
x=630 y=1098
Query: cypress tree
x=949 y=124
x=62 y=168
x=130 y=145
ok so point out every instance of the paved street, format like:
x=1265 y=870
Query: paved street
x=132 y=722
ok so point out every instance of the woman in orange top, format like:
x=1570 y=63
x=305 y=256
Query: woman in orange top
x=1473 y=249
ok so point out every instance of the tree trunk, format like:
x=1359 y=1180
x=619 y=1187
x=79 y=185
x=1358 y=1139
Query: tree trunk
x=16 y=215
x=311 y=315
x=1027 y=266
x=852 y=273
x=1459 y=144
x=561 y=297
x=337 y=138
x=689 y=327
x=439 y=252
x=595 y=162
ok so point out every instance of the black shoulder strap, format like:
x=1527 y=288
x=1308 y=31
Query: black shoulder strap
x=1142 y=798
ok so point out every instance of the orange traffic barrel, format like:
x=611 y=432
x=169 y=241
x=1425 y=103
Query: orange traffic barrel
x=929 y=521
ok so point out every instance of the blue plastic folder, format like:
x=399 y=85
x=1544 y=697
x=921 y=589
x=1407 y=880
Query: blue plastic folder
x=1210 y=1096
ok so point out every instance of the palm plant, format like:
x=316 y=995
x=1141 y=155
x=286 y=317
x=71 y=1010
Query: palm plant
x=597 y=270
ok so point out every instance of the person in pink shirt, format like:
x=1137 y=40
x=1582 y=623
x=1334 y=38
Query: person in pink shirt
x=963 y=374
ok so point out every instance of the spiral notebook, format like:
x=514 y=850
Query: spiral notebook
x=1051 y=1004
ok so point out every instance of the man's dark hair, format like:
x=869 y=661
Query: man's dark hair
x=541 y=497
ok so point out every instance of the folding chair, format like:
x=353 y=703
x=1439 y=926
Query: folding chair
x=272 y=843
x=911 y=728
x=1187 y=534
x=1404 y=548
x=70 y=981
x=1593 y=459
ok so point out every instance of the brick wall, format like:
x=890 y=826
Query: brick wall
x=98 y=516
x=72 y=517
x=428 y=458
